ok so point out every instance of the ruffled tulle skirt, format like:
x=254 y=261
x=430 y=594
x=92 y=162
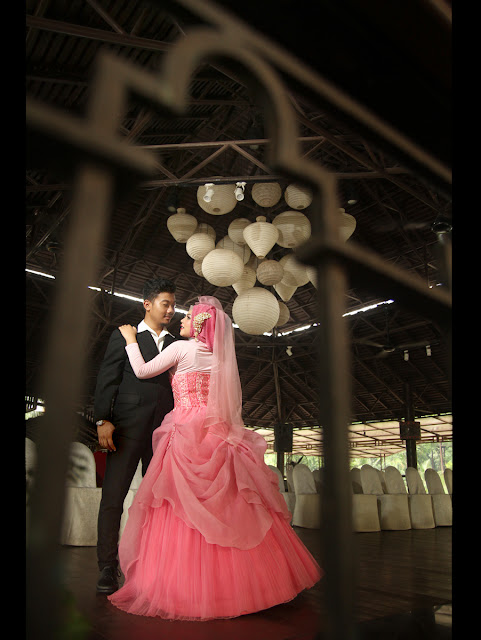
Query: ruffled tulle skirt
x=208 y=533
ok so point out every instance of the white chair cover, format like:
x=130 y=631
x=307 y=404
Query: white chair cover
x=318 y=479
x=393 y=508
x=307 y=510
x=448 y=479
x=420 y=507
x=442 y=504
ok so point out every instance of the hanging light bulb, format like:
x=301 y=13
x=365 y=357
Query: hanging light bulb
x=209 y=191
x=406 y=355
x=239 y=190
x=428 y=349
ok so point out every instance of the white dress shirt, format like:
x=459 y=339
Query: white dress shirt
x=158 y=339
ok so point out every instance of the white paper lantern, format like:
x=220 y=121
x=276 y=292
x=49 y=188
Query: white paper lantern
x=198 y=268
x=270 y=272
x=292 y=267
x=222 y=202
x=261 y=236
x=266 y=194
x=236 y=228
x=222 y=267
x=347 y=225
x=247 y=280
x=181 y=225
x=294 y=228
x=312 y=273
x=203 y=227
x=255 y=311
x=242 y=250
x=285 y=291
x=284 y=314
x=297 y=196
x=199 y=245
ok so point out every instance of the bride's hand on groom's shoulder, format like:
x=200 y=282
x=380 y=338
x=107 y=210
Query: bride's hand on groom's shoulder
x=129 y=332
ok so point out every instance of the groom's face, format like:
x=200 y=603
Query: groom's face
x=161 y=309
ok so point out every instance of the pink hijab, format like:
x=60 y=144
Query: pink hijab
x=224 y=405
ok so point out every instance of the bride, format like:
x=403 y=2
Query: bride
x=208 y=533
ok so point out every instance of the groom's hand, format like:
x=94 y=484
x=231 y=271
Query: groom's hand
x=104 y=433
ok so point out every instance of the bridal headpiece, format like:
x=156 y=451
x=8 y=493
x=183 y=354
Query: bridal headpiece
x=198 y=321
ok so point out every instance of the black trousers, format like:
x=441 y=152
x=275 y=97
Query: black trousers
x=119 y=470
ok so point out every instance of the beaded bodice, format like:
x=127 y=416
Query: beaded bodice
x=190 y=389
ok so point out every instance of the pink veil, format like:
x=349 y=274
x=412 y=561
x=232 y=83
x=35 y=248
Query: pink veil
x=224 y=405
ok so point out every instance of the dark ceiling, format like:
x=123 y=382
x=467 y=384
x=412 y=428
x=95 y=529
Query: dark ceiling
x=394 y=211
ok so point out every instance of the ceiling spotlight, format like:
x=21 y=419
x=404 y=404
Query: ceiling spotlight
x=406 y=355
x=289 y=350
x=209 y=191
x=428 y=349
x=239 y=190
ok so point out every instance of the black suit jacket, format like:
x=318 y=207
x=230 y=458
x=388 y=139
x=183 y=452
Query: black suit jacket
x=135 y=407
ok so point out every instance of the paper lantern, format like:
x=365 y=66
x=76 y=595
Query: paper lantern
x=247 y=280
x=312 y=273
x=223 y=199
x=255 y=311
x=199 y=245
x=294 y=228
x=236 y=228
x=203 y=227
x=261 y=236
x=270 y=272
x=284 y=314
x=297 y=196
x=347 y=225
x=198 y=267
x=181 y=225
x=222 y=267
x=285 y=291
x=266 y=194
x=292 y=267
x=242 y=250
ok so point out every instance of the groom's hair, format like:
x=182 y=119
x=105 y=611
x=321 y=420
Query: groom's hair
x=153 y=287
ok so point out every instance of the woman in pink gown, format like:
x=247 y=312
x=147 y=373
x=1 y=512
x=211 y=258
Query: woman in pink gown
x=208 y=533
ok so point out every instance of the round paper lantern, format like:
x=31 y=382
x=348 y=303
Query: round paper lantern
x=285 y=291
x=203 y=227
x=266 y=194
x=247 y=280
x=199 y=245
x=236 y=228
x=283 y=314
x=222 y=267
x=297 y=196
x=347 y=225
x=255 y=311
x=254 y=261
x=270 y=272
x=198 y=267
x=294 y=228
x=181 y=225
x=294 y=268
x=261 y=236
x=242 y=250
x=223 y=199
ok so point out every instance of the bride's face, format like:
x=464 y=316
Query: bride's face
x=185 y=324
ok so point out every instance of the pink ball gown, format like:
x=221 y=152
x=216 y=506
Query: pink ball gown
x=208 y=533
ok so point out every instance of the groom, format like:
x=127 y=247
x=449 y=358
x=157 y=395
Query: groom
x=127 y=410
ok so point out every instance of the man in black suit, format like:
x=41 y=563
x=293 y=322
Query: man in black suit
x=127 y=410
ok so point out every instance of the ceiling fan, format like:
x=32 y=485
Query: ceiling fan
x=385 y=348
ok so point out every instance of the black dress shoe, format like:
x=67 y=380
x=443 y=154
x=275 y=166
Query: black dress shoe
x=109 y=580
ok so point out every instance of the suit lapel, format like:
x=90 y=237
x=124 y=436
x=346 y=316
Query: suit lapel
x=147 y=345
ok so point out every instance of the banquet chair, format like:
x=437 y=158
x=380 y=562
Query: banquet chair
x=448 y=479
x=393 y=508
x=420 y=506
x=318 y=479
x=307 y=510
x=290 y=483
x=82 y=499
x=442 y=504
x=365 y=514
x=288 y=496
